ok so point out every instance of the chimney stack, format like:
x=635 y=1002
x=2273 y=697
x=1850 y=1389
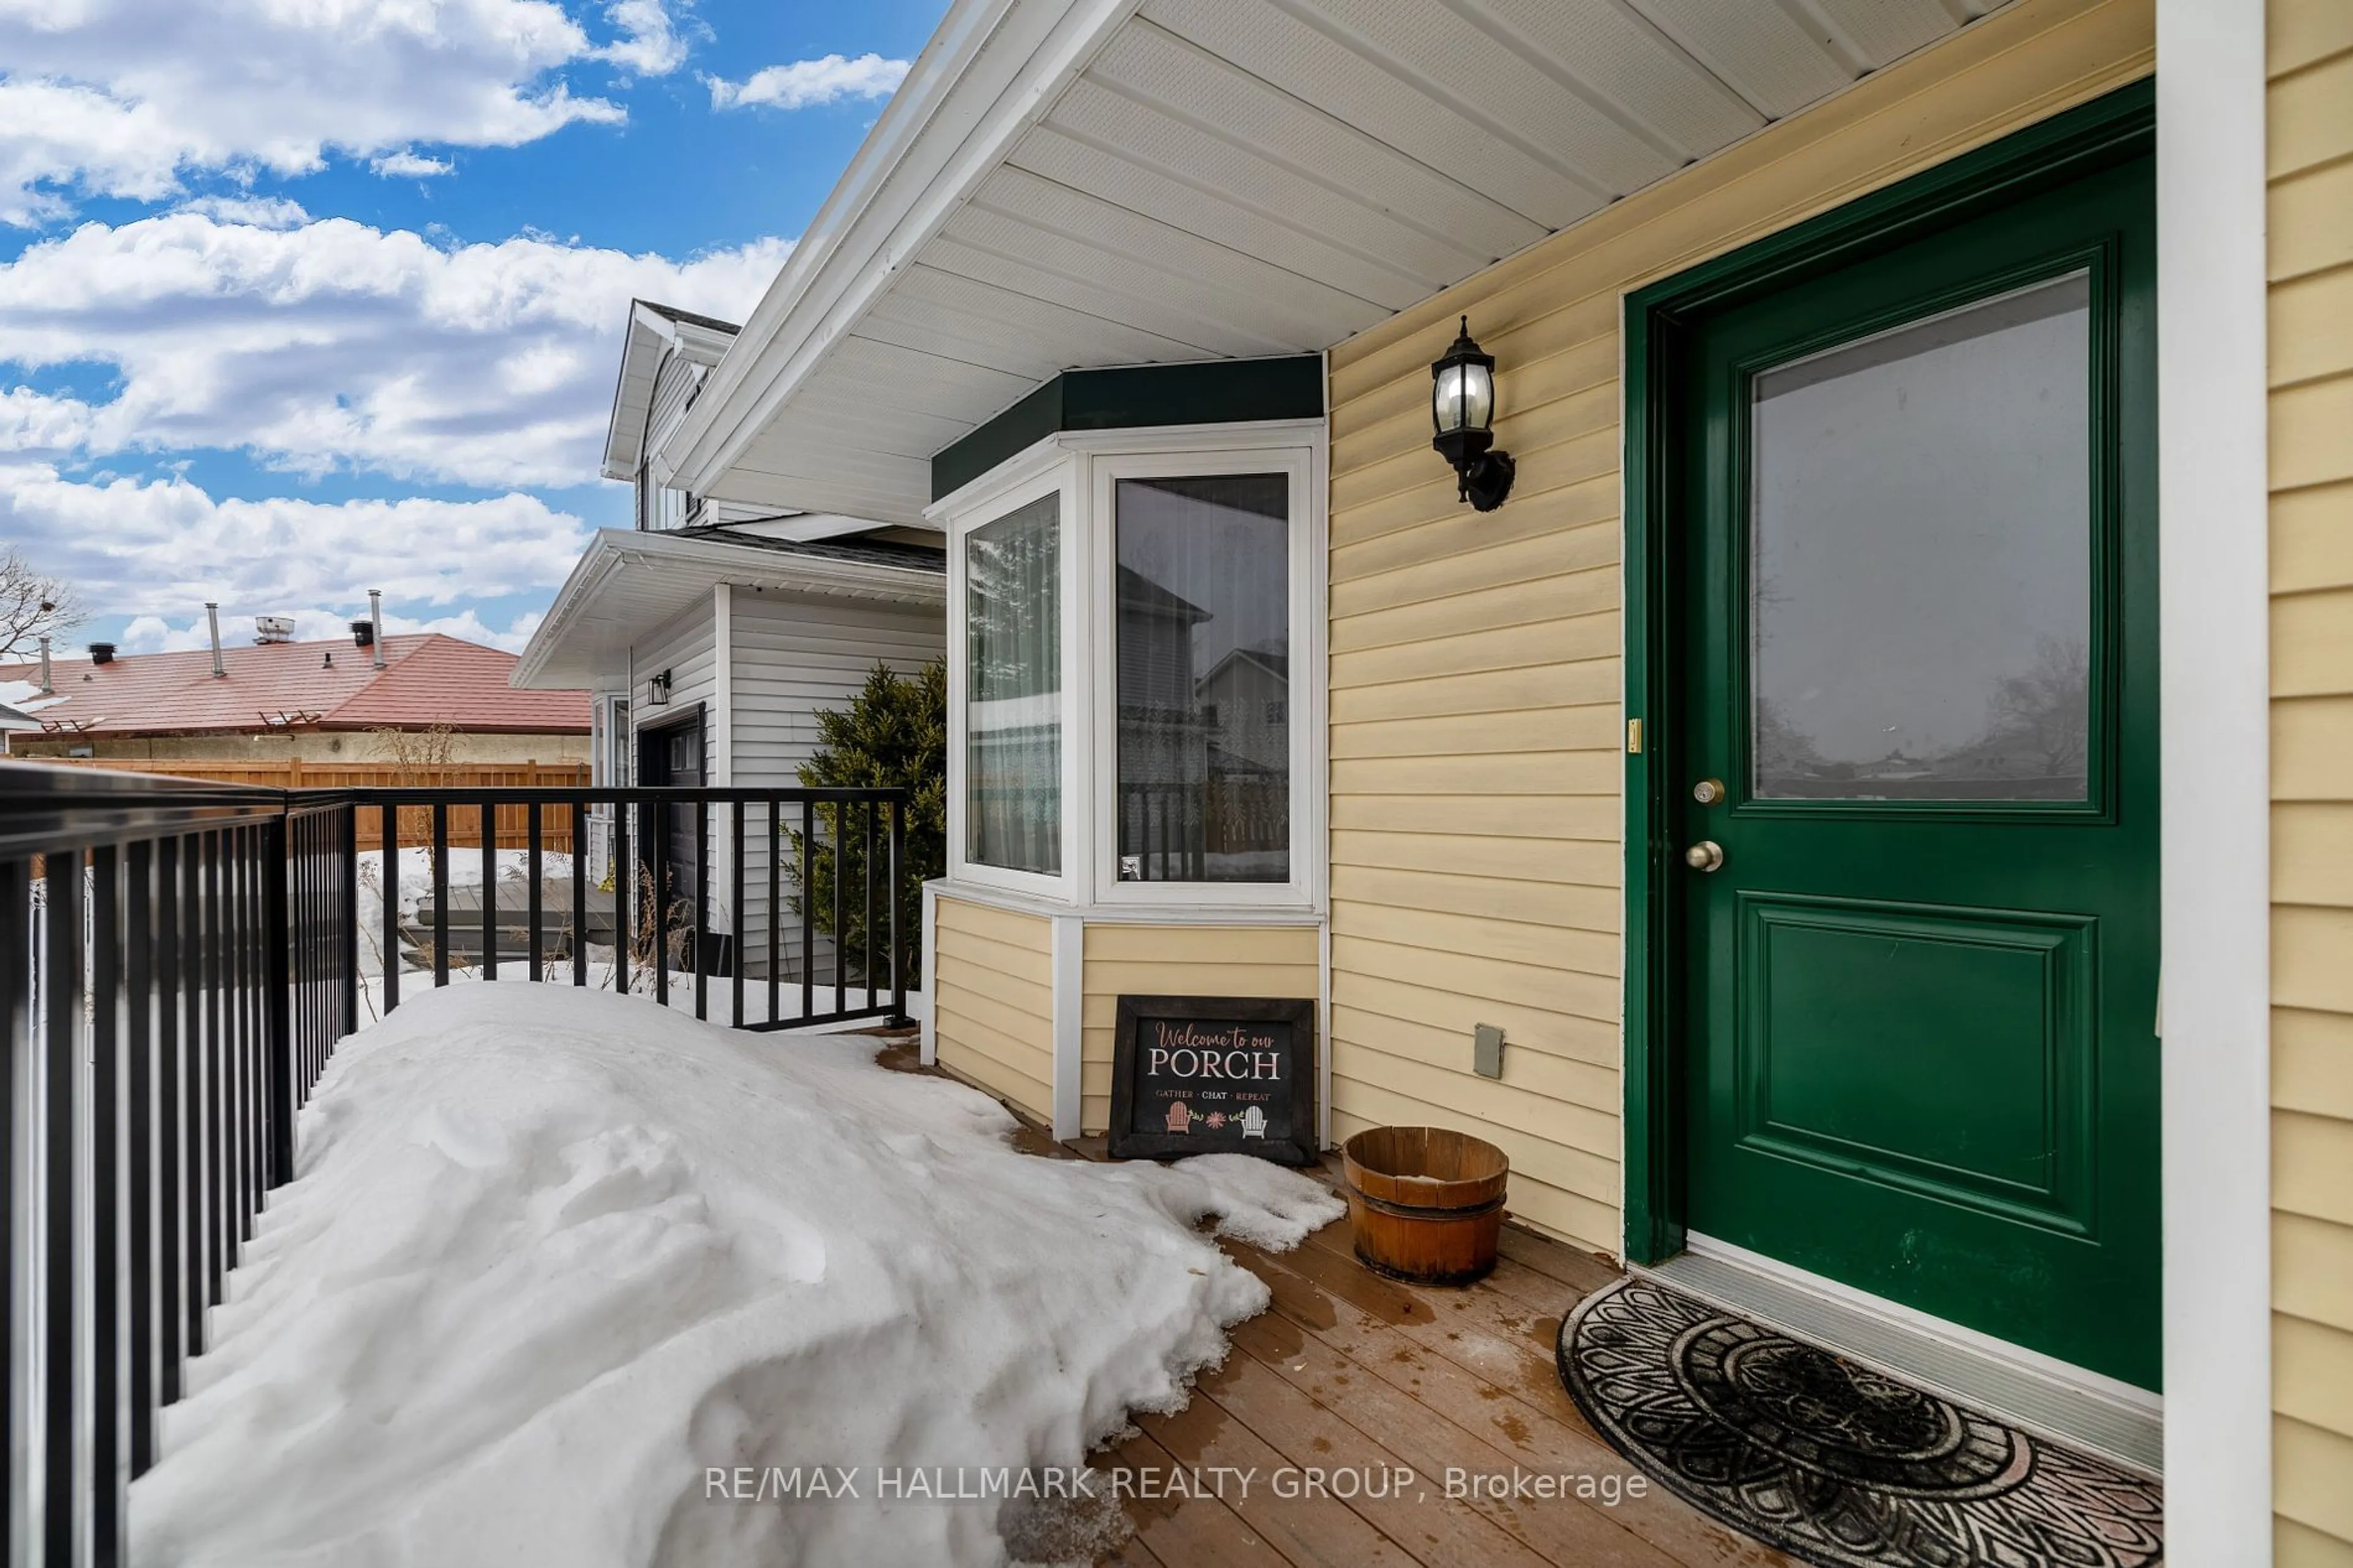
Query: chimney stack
x=47 y=688
x=212 y=614
x=376 y=625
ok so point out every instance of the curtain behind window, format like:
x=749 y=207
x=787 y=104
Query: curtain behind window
x=1013 y=690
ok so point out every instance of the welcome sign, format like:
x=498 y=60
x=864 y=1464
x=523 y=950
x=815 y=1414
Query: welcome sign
x=1214 y=1075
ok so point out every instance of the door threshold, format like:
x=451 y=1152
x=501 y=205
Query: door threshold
x=2039 y=1394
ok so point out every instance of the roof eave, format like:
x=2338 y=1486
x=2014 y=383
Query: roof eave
x=653 y=334
x=615 y=550
x=596 y=563
x=943 y=132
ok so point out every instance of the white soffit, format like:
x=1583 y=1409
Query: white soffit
x=1075 y=183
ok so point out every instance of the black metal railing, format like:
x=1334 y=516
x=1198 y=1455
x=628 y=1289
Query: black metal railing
x=178 y=960
x=797 y=901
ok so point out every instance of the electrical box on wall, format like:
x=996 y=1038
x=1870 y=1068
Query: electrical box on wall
x=1487 y=1050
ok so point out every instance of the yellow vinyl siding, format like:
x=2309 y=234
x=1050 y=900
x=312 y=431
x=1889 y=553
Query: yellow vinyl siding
x=993 y=1002
x=1476 y=731
x=2310 y=146
x=1179 y=961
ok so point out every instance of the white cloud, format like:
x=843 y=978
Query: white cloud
x=159 y=548
x=123 y=97
x=154 y=634
x=804 y=83
x=410 y=164
x=261 y=212
x=35 y=422
x=648 y=44
x=332 y=346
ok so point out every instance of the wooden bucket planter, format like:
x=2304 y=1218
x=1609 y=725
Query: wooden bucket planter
x=1425 y=1204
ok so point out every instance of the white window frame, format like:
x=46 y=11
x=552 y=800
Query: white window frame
x=1081 y=468
x=1021 y=482
x=1216 y=453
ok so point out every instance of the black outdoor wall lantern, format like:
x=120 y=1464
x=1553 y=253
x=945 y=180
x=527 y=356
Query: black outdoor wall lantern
x=1462 y=410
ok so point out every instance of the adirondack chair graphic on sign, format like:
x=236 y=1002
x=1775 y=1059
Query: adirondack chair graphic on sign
x=1254 y=1122
x=1180 y=1118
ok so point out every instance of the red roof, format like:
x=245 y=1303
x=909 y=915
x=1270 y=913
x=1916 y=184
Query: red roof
x=428 y=680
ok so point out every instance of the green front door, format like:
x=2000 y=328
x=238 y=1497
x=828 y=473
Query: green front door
x=1917 y=568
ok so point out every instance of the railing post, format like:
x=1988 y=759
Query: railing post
x=19 y=1035
x=277 y=934
x=897 y=950
x=350 y=853
x=56 y=1424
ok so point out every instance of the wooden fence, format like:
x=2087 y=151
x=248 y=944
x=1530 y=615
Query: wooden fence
x=415 y=821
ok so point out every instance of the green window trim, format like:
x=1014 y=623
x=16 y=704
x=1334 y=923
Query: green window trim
x=1212 y=392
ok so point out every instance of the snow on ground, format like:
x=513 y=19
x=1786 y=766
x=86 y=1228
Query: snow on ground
x=554 y=1255
x=465 y=870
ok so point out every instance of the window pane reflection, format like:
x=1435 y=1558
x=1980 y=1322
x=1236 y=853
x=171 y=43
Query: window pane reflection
x=1921 y=586
x=1013 y=699
x=1204 y=648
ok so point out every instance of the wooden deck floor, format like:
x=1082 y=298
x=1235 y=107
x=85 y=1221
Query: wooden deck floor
x=1349 y=1370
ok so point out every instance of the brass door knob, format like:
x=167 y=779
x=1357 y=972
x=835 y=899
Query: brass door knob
x=1704 y=856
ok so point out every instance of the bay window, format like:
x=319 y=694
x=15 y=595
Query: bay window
x=1134 y=607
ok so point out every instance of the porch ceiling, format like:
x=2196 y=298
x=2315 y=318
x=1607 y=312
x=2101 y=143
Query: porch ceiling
x=1069 y=183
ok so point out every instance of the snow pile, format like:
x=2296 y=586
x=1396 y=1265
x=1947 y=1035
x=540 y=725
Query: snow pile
x=555 y=1256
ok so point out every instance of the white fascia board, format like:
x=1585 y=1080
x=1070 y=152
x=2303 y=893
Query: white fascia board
x=753 y=565
x=946 y=128
x=643 y=343
x=651 y=337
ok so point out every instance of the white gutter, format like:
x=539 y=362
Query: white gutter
x=992 y=70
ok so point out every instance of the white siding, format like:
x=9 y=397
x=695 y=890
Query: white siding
x=793 y=658
x=790 y=659
x=674 y=388
x=684 y=648
x=710 y=510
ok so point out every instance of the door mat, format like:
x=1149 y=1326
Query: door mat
x=1834 y=1462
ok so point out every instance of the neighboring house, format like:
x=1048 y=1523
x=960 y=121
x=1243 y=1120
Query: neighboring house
x=14 y=723
x=1245 y=700
x=321 y=701
x=1830 y=345
x=712 y=634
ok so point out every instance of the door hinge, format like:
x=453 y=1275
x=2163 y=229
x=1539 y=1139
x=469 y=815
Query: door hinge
x=1633 y=737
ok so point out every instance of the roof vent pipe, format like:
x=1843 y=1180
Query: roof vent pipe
x=101 y=653
x=212 y=614
x=376 y=625
x=47 y=688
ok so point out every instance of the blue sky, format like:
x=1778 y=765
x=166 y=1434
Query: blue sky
x=291 y=308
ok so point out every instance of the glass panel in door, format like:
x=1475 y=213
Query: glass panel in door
x=1921 y=552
